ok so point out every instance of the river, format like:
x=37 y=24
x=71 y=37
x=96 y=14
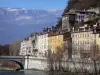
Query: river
x=3 y=72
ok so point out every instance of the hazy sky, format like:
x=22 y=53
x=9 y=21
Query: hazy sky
x=34 y=4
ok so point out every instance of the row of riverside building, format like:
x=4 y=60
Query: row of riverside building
x=81 y=38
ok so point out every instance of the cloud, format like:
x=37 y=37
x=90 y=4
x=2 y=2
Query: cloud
x=10 y=9
x=23 y=17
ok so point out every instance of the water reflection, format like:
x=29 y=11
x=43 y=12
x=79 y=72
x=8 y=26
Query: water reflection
x=2 y=72
x=56 y=73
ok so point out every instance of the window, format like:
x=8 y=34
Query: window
x=87 y=35
x=83 y=35
x=64 y=18
x=75 y=17
x=44 y=46
x=50 y=46
x=73 y=36
x=73 y=42
x=49 y=41
x=78 y=42
x=79 y=17
x=80 y=36
x=83 y=42
x=76 y=36
x=87 y=41
x=33 y=41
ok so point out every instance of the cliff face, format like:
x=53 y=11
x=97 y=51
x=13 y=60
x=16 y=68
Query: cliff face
x=81 y=4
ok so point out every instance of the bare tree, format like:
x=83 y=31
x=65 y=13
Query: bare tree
x=55 y=58
x=14 y=47
x=88 y=58
x=50 y=60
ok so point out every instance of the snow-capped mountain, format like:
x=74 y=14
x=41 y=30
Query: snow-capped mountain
x=19 y=22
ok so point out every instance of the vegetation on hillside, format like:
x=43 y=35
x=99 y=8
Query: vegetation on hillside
x=79 y=5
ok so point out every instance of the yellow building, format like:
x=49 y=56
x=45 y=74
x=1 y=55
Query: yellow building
x=85 y=42
x=82 y=43
x=55 y=41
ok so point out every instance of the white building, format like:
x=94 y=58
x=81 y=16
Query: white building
x=29 y=46
x=26 y=47
x=23 y=48
x=42 y=44
x=34 y=43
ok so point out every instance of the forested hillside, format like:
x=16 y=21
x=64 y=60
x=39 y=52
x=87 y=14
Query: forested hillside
x=79 y=5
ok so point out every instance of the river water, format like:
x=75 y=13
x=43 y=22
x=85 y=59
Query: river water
x=3 y=72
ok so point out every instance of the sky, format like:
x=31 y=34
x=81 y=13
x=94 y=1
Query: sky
x=34 y=4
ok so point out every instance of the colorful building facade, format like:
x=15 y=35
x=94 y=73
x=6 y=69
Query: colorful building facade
x=55 y=41
x=85 y=42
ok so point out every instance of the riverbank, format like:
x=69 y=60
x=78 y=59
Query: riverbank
x=6 y=68
x=46 y=72
x=31 y=70
x=59 y=72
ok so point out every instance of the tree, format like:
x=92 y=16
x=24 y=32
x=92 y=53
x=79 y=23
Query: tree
x=14 y=47
x=4 y=50
x=50 y=60
x=55 y=58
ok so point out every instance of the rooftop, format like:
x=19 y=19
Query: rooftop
x=74 y=12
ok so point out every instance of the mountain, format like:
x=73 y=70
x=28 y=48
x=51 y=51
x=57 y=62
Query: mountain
x=20 y=22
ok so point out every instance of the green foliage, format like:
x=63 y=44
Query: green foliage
x=59 y=22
